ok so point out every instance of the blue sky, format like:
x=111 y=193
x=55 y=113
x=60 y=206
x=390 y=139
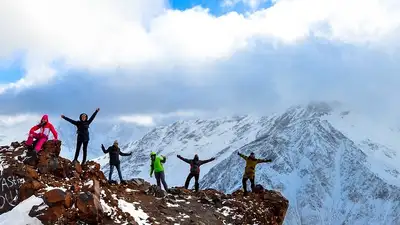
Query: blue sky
x=142 y=58
x=216 y=7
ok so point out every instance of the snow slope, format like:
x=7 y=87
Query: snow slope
x=334 y=165
x=19 y=214
x=327 y=177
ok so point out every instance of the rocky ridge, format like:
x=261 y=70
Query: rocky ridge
x=74 y=194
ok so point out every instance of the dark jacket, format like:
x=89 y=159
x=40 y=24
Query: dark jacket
x=114 y=152
x=82 y=126
x=195 y=163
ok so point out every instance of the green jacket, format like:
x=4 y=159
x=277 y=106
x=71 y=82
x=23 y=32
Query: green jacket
x=156 y=165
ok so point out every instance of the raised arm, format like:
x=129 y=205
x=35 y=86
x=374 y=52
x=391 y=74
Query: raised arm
x=93 y=115
x=69 y=120
x=206 y=161
x=184 y=159
x=164 y=159
x=104 y=149
x=243 y=156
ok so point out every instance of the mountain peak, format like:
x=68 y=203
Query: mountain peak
x=53 y=190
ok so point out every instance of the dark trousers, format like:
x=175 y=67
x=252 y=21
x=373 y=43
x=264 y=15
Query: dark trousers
x=196 y=181
x=160 y=178
x=78 y=149
x=244 y=183
x=112 y=170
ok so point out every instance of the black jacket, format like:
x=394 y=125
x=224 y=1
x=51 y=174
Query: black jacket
x=82 y=126
x=114 y=152
x=195 y=164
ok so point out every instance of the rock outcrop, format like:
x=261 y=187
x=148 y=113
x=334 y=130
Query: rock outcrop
x=75 y=194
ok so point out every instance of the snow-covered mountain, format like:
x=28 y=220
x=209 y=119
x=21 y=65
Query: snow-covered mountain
x=327 y=177
x=335 y=166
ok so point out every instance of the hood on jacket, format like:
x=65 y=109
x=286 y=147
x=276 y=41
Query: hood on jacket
x=44 y=120
x=196 y=158
x=83 y=114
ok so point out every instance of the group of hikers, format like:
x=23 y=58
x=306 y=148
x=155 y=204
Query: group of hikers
x=36 y=140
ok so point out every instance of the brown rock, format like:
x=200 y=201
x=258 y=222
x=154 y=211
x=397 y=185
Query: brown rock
x=77 y=167
x=97 y=166
x=54 y=196
x=37 y=185
x=48 y=214
x=92 y=186
x=89 y=206
x=76 y=175
x=52 y=147
x=68 y=202
x=28 y=188
x=75 y=188
x=31 y=173
x=43 y=162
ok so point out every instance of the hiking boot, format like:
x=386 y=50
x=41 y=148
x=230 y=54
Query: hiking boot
x=29 y=148
x=112 y=182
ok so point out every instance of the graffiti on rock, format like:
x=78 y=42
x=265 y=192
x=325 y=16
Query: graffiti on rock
x=9 y=187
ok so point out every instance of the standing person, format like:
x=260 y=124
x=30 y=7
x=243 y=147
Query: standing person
x=158 y=169
x=249 y=173
x=83 y=133
x=195 y=164
x=44 y=127
x=114 y=151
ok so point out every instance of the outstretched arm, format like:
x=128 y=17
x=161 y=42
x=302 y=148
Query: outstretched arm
x=104 y=149
x=206 y=161
x=125 y=154
x=93 y=115
x=69 y=120
x=243 y=156
x=264 y=160
x=184 y=159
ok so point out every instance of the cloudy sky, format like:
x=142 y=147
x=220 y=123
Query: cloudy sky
x=140 y=60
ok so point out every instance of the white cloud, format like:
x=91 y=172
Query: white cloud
x=16 y=127
x=103 y=35
x=142 y=120
x=14 y=120
x=154 y=119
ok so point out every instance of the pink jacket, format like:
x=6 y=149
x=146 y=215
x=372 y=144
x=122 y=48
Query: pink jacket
x=45 y=129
